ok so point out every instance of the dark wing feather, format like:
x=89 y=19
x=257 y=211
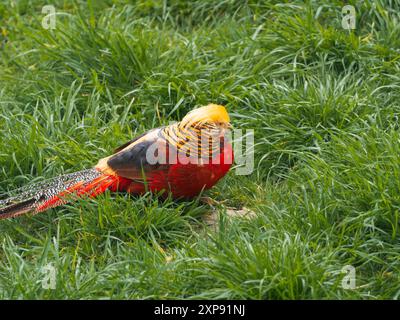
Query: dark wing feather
x=131 y=161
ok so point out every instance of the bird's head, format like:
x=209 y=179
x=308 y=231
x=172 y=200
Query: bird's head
x=212 y=116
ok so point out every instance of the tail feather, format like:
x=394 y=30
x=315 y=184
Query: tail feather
x=55 y=192
x=17 y=209
x=91 y=189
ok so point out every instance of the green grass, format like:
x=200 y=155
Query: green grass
x=324 y=105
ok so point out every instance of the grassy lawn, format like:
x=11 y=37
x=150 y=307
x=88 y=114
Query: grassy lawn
x=324 y=103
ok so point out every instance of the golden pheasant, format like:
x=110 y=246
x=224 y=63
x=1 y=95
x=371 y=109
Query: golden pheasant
x=182 y=159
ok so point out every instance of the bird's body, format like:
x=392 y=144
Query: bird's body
x=181 y=159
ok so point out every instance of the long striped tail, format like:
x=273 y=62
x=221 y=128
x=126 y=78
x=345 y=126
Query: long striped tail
x=55 y=192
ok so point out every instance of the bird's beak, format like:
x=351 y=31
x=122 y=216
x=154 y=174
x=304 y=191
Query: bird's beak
x=226 y=127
